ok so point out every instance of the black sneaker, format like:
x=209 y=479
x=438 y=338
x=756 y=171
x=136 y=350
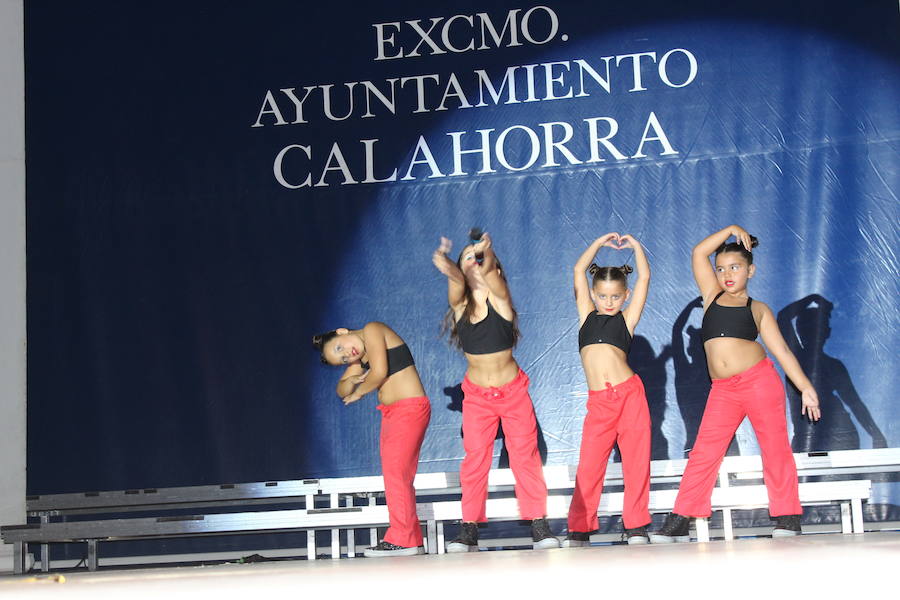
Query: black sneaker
x=467 y=541
x=388 y=549
x=577 y=539
x=675 y=529
x=787 y=526
x=637 y=535
x=541 y=536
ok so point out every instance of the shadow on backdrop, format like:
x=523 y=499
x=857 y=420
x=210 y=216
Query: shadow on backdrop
x=692 y=381
x=806 y=326
x=652 y=371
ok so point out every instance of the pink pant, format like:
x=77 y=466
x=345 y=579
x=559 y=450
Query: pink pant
x=618 y=413
x=403 y=425
x=483 y=409
x=756 y=393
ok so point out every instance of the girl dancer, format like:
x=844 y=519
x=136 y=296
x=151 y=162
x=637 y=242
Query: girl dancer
x=744 y=383
x=617 y=405
x=378 y=359
x=482 y=322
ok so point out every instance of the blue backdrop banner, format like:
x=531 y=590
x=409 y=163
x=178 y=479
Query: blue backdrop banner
x=209 y=184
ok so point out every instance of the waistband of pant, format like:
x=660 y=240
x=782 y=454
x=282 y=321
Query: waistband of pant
x=762 y=367
x=518 y=382
x=411 y=401
x=626 y=385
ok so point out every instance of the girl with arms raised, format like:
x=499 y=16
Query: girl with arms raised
x=617 y=405
x=482 y=322
x=744 y=384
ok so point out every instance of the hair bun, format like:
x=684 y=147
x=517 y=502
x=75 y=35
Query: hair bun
x=626 y=269
x=753 y=241
x=317 y=341
x=593 y=269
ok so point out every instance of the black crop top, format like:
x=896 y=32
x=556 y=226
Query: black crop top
x=729 y=321
x=398 y=358
x=605 y=329
x=491 y=334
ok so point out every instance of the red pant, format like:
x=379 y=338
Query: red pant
x=756 y=393
x=618 y=413
x=403 y=426
x=483 y=408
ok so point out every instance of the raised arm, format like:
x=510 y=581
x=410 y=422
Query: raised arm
x=582 y=290
x=633 y=312
x=704 y=273
x=376 y=353
x=456 y=281
x=790 y=312
x=771 y=337
x=489 y=269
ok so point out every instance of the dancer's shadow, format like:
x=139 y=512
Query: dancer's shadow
x=805 y=325
x=456 y=395
x=652 y=371
x=692 y=381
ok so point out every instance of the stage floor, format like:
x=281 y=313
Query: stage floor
x=824 y=565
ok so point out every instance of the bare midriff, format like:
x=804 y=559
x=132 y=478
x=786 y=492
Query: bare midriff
x=604 y=363
x=726 y=357
x=404 y=384
x=492 y=370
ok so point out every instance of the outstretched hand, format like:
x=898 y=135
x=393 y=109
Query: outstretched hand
x=810 y=404
x=440 y=259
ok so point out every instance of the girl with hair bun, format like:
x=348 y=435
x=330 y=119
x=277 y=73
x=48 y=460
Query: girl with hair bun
x=744 y=384
x=376 y=358
x=482 y=323
x=617 y=408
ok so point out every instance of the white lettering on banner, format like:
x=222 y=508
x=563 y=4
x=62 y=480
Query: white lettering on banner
x=369 y=146
x=550 y=80
x=660 y=137
x=664 y=75
x=513 y=148
x=501 y=147
x=269 y=107
x=551 y=145
x=458 y=33
x=636 y=68
x=279 y=171
x=341 y=166
x=298 y=104
x=509 y=23
x=484 y=150
x=391 y=104
x=457 y=92
x=525 y=141
x=428 y=159
x=541 y=82
x=484 y=79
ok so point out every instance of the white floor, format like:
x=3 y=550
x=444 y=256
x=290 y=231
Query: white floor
x=813 y=567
